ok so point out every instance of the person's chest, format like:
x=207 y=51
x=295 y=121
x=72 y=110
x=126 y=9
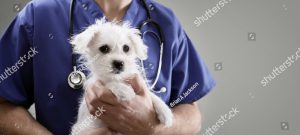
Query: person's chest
x=51 y=38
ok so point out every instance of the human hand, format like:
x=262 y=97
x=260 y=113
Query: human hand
x=98 y=131
x=133 y=117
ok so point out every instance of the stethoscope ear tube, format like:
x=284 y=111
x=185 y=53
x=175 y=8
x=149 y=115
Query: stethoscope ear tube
x=160 y=39
x=76 y=78
x=147 y=22
x=163 y=89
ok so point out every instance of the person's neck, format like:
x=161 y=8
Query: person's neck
x=114 y=9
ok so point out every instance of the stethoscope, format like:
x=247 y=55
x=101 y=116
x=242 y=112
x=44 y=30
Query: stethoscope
x=77 y=78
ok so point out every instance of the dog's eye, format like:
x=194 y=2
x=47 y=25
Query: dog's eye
x=104 y=49
x=126 y=48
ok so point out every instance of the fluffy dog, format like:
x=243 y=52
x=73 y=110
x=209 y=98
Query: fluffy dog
x=117 y=47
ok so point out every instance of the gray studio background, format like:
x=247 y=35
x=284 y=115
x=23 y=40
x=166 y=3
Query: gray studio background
x=238 y=64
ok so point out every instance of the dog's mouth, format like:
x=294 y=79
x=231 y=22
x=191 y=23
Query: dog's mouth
x=116 y=71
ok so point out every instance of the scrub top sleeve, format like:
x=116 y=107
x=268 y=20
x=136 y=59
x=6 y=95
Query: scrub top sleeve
x=16 y=74
x=191 y=79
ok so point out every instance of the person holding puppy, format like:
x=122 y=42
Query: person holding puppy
x=44 y=24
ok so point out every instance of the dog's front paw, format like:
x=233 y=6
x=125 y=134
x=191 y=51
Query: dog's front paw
x=165 y=116
x=121 y=91
x=163 y=112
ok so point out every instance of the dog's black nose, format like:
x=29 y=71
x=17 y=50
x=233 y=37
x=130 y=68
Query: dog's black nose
x=118 y=65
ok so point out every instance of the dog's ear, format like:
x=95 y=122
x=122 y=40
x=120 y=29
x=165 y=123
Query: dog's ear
x=83 y=40
x=138 y=44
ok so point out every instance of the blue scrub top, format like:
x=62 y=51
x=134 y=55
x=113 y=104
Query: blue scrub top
x=42 y=79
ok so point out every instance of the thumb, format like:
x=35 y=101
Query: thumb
x=138 y=84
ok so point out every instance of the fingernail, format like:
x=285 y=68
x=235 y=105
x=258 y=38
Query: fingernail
x=99 y=81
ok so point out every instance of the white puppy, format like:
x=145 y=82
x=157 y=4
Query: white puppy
x=111 y=52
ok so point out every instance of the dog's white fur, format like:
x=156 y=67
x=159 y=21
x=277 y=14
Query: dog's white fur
x=115 y=35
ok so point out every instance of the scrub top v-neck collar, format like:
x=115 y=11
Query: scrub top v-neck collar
x=95 y=10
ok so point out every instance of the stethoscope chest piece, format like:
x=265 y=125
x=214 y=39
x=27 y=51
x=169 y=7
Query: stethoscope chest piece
x=76 y=79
